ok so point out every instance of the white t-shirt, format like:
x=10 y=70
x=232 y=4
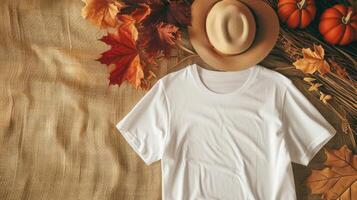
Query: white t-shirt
x=226 y=135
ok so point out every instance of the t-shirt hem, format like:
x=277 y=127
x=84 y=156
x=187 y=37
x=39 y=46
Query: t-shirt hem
x=130 y=138
x=317 y=144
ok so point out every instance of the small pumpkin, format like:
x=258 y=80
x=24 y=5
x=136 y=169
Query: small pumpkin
x=297 y=13
x=338 y=25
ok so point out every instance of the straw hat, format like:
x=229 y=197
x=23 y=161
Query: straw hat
x=233 y=35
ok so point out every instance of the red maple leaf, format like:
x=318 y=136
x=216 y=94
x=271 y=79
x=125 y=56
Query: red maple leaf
x=124 y=55
x=161 y=38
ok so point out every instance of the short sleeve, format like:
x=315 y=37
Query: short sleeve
x=305 y=130
x=146 y=126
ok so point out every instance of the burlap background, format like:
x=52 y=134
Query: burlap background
x=57 y=114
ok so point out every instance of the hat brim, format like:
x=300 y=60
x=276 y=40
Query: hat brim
x=265 y=37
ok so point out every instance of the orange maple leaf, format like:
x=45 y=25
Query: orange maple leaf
x=338 y=180
x=102 y=13
x=141 y=12
x=125 y=56
x=313 y=61
x=129 y=22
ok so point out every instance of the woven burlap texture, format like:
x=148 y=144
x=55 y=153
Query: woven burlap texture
x=57 y=124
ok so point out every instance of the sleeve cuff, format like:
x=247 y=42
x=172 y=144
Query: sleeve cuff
x=133 y=142
x=317 y=144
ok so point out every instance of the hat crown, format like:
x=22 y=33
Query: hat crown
x=230 y=27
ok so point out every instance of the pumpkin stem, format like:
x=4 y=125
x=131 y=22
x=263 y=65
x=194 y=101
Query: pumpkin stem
x=346 y=19
x=301 y=4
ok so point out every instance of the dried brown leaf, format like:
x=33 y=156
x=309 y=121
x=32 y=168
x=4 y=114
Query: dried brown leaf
x=338 y=180
x=102 y=13
x=313 y=61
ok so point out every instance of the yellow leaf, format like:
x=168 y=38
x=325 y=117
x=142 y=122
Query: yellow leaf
x=338 y=180
x=325 y=97
x=305 y=66
x=319 y=51
x=313 y=61
x=308 y=53
x=315 y=87
x=309 y=80
x=102 y=13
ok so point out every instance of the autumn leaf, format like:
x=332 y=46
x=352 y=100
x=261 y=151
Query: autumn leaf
x=125 y=56
x=157 y=23
x=338 y=180
x=309 y=80
x=128 y=25
x=102 y=13
x=325 y=97
x=168 y=33
x=313 y=61
x=315 y=87
x=131 y=21
x=176 y=12
x=180 y=13
x=141 y=12
x=146 y=29
x=161 y=39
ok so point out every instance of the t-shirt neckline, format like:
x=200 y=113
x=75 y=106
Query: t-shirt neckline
x=194 y=69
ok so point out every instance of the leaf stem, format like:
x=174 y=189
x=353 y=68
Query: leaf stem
x=346 y=19
x=184 y=59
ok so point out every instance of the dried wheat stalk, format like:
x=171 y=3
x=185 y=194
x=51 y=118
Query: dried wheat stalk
x=288 y=50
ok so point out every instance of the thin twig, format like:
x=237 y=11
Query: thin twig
x=185 y=49
x=182 y=60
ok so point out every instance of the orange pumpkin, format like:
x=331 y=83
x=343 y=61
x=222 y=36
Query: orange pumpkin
x=297 y=13
x=338 y=25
